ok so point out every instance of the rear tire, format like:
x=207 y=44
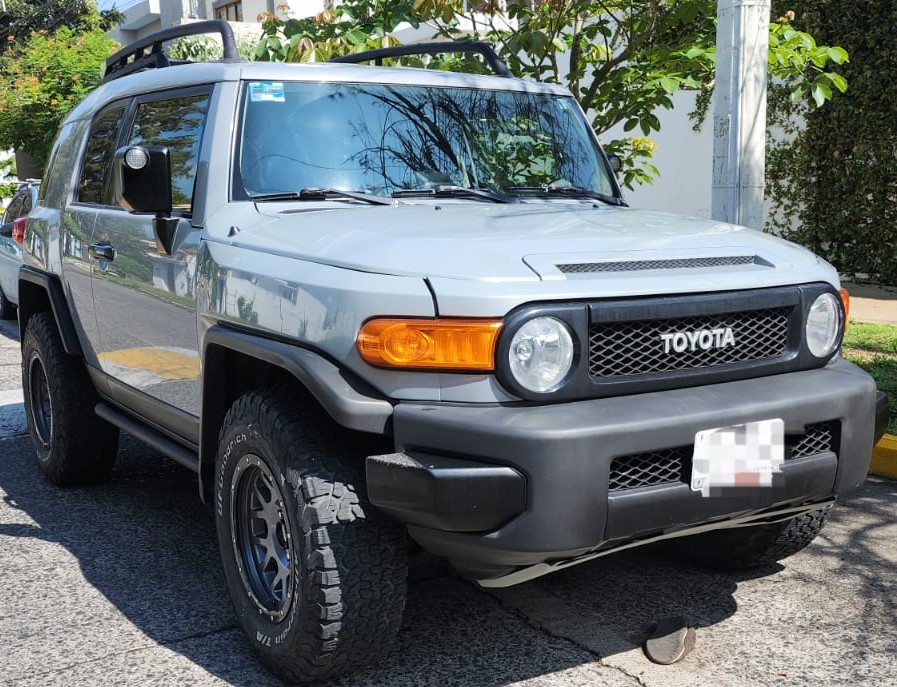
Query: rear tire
x=7 y=307
x=73 y=445
x=316 y=574
x=743 y=548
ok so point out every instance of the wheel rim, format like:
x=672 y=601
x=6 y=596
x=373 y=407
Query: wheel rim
x=262 y=537
x=41 y=406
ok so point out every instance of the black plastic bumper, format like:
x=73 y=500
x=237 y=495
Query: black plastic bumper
x=564 y=453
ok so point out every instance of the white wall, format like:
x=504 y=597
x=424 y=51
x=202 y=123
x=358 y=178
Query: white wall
x=684 y=158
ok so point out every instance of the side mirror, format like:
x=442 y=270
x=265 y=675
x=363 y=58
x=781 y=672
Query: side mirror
x=616 y=164
x=142 y=177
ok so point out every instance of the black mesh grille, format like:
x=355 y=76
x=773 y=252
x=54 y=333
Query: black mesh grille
x=819 y=438
x=646 y=469
x=637 y=265
x=671 y=465
x=632 y=348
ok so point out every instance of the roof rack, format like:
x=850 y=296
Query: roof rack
x=121 y=64
x=499 y=68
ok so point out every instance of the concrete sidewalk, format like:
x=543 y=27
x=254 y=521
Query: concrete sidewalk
x=870 y=303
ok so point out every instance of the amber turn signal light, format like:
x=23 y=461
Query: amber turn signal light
x=845 y=299
x=447 y=344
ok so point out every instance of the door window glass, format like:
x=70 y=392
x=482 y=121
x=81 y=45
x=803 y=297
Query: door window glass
x=95 y=184
x=178 y=124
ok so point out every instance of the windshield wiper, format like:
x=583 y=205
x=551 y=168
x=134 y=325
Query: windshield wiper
x=571 y=192
x=448 y=191
x=315 y=193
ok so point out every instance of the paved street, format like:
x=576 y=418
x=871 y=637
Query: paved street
x=120 y=584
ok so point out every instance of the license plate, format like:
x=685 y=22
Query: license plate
x=745 y=455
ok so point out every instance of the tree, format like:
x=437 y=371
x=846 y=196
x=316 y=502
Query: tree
x=45 y=77
x=623 y=60
x=22 y=17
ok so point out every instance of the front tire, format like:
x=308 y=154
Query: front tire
x=316 y=575
x=73 y=445
x=744 y=548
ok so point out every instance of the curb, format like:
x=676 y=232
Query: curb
x=884 y=457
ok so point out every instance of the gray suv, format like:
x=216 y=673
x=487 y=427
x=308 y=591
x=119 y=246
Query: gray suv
x=378 y=308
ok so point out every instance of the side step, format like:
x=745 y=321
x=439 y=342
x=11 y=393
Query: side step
x=149 y=436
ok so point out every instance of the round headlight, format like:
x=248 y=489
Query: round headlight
x=541 y=353
x=823 y=325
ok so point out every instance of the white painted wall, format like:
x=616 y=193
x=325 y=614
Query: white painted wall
x=685 y=160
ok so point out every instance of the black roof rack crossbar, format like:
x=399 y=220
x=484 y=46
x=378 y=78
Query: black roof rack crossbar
x=499 y=68
x=119 y=65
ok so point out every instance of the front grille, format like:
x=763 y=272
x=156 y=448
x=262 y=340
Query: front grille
x=632 y=348
x=819 y=438
x=638 y=265
x=672 y=465
x=647 y=469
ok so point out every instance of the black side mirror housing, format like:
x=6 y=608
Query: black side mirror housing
x=616 y=164
x=142 y=177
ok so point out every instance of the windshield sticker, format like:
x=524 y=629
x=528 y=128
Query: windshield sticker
x=266 y=92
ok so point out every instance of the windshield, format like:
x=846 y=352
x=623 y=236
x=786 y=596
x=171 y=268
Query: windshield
x=381 y=139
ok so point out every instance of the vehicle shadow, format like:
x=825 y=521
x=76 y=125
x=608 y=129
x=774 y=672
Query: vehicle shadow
x=147 y=545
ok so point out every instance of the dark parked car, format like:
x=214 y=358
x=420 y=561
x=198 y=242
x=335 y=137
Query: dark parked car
x=12 y=232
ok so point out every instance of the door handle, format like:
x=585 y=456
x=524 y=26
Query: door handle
x=101 y=251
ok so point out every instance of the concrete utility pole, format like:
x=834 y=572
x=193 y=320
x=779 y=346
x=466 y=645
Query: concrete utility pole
x=739 y=111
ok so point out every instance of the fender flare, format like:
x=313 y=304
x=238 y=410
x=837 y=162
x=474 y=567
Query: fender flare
x=350 y=402
x=28 y=305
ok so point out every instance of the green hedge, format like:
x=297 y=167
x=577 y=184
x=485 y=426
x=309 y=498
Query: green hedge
x=833 y=188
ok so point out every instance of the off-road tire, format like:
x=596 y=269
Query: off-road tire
x=343 y=603
x=743 y=548
x=73 y=445
x=7 y=308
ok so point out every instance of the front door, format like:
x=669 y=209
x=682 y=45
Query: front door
x=144 y=298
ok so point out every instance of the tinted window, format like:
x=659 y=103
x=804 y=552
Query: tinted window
x=96 y=170
x=178 y=124
x=15 y=208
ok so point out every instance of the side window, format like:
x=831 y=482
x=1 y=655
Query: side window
x=95 y=185
x=177 y=123
x=14 y=209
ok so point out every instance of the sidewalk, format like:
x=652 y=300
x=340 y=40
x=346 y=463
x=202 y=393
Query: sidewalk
x=872 y=303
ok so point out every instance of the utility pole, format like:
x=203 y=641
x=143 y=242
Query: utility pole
x=739 y=111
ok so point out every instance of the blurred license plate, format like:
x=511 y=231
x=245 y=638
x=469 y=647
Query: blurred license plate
x=745 y=455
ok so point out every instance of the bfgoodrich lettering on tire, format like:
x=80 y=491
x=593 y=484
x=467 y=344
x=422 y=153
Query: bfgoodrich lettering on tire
x=316 y=575
x=73 y=445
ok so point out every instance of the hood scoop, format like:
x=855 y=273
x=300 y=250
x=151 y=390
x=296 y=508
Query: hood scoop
x=674 y=264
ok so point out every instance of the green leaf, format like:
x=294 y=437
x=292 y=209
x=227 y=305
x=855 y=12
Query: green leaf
x=838 y=81
x=838 y=55
x=669 y=84
x=818 y=95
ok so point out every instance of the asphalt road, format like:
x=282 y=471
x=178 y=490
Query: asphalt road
x=120 y=584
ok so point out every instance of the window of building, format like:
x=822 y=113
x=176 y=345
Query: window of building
x=231 y=11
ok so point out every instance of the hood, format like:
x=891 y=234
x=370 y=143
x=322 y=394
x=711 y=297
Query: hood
x=515 y=243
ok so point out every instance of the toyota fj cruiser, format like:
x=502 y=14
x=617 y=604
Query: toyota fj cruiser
x=366 y=303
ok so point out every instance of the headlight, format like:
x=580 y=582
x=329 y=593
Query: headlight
x=540 y=354
x=823 y=325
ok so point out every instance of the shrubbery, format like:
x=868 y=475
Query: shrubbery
x=834 y=186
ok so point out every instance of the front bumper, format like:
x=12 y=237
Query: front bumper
x=543 y=492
